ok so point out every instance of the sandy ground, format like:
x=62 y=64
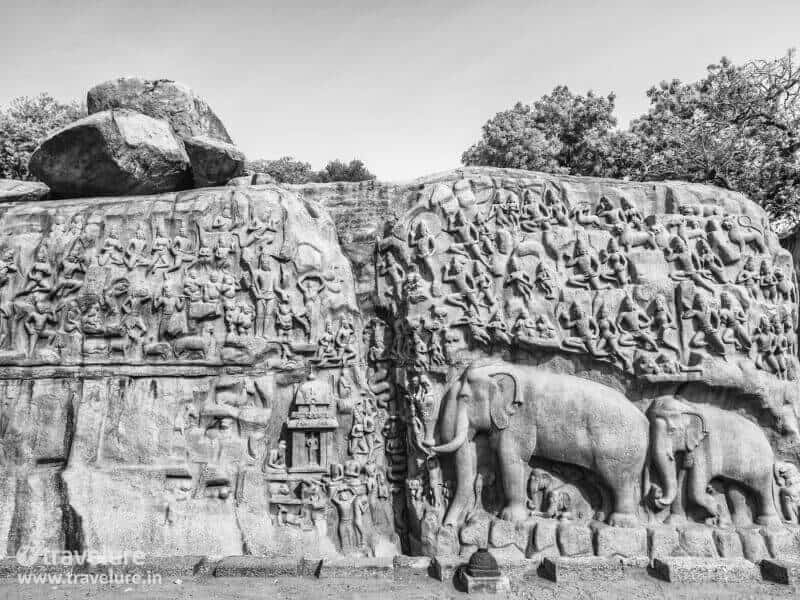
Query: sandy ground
x=634 y=587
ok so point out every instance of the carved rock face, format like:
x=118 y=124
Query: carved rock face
x=156 y=375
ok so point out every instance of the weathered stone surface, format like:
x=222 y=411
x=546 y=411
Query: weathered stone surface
x=729 y=544
x=485 y=585
x=582 y=568
x=754 y=547
x=622 y=542
x=13 y=190
x=574 y=539
x=111 y=153
x=706 y=570
x=254 y=566
x=698 y=541
x=109 y=448
x=209 y=364
x=187 y=113
x=780 y=571
x=213 y=162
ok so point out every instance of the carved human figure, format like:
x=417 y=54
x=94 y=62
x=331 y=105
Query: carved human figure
x=610 y=213
x=706 y=321
x=391 y=269
x=663 y=322
x=111 y=251
x=546 y=280
x=711 y=265
x=630 y=212
x=584 y=328
x=70 y=279
x=463 y=283
x=134 y=254
x=425 y=245
x=533 y=212
x=264 y=280
x=40 y=275
x=686 y=262
x=467 y=233
x=733 y=323
x=345 y=343
x=749 y=278
x=764 y=341
x=38 y=325
x=343 y=499
x=617 y=263
x=586 y=267
x=634 y=324
x=519 y=280
x=788 y=478
x=173 y=321
x=768 y=282
x=608 y=338
x=785 y=286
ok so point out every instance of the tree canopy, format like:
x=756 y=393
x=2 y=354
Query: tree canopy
x=289 y=170
x=24 y=123
x=738 y=127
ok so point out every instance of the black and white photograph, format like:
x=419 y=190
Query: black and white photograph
x=371 y=300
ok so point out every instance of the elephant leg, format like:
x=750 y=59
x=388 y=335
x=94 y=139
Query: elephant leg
x=767 y=513
x=737 y=500
x=677 y=514
x=698 y=482
x=512 y=469
x=466 y=471
x=626 y=489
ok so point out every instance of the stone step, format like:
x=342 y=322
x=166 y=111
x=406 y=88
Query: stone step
x=706 y=570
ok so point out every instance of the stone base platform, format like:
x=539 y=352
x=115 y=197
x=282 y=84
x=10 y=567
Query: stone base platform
x=568 y=570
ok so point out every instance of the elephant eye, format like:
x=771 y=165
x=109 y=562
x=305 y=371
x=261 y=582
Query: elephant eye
x=671 y=429
x=463 y=396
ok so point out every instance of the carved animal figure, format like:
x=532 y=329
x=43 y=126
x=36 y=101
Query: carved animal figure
x=194 y=344
x=741 y=233
x=156 y=349
x=713 y=443
x=531 y=412
x=629 y=237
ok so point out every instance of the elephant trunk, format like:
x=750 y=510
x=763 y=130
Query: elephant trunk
x=664 y=460
x=459 y=436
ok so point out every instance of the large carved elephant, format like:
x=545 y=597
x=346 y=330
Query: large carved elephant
x=714 y=443
x=529 y=412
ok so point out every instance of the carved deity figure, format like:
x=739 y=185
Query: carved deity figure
x=706 y=321
x=586 y=266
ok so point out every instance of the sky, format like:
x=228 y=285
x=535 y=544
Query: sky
x=405 y=86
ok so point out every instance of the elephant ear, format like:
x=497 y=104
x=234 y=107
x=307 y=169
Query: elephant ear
x=695 y=431
x=504 y=399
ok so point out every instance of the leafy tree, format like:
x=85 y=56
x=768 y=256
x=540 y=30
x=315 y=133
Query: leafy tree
x=285 y=169
x=738 y=127
x=337 y=170
x=289 y=170
x=24 y=123
x=560 y=133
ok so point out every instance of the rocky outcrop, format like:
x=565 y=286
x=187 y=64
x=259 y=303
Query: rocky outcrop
x=13 y=190
x=110 y=153
x=187 y=113
x=183 y=374
x=213 y=162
